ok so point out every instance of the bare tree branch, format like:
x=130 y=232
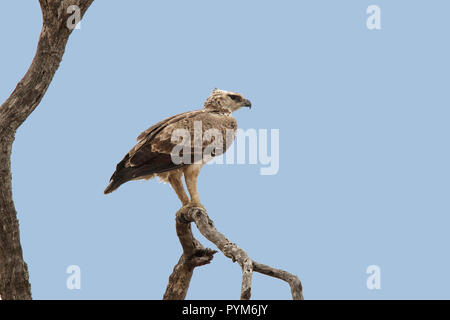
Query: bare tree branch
x=14 y=282
x=293 y=280
x=194 y=255
x=206 y=226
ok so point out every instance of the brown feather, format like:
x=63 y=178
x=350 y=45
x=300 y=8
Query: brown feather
x=152 y=154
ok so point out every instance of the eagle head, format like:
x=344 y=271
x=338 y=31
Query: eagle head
x=226 y=101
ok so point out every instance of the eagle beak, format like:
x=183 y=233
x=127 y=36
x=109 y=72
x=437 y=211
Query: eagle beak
x=247 y=103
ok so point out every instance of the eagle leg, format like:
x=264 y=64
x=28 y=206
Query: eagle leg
x=177 y=185
x=190 y=175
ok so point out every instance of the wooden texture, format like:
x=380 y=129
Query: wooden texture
x=206 y=227
x=194 y=255
x=14 y=283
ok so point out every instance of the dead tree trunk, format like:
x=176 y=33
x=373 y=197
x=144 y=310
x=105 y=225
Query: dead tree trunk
x=195 y=255
x=56 y=29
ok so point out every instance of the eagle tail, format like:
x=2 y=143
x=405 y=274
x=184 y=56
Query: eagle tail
x=113 y=185
x=116 y=181
x=119 y=177
x=156 y=163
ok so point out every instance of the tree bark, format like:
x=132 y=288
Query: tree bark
x=14 y=282
x=177 y=289
x=194 y=255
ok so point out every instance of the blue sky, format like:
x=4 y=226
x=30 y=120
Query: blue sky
x=364 y=158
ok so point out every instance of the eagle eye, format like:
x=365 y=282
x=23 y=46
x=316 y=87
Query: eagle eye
x=235 y=97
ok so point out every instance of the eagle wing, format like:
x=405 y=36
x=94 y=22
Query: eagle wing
x=152 y=153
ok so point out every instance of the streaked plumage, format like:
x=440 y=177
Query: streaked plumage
x=151 y=156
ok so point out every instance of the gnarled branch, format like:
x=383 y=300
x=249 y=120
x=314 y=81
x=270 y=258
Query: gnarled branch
x=14 y=283
x=206 y=227
x=194 y=255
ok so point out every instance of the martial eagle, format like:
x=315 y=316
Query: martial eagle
x=152 y=155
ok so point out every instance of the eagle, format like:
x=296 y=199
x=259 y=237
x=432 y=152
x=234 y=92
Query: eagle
x=153 y=155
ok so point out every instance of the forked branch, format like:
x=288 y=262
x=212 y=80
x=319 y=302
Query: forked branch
x=206 y=227
x=194 y=255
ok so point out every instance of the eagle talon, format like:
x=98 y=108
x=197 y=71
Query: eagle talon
x=192 y=205
x=152 y=156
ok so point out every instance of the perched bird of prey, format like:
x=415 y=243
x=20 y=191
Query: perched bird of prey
x=152 y=155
